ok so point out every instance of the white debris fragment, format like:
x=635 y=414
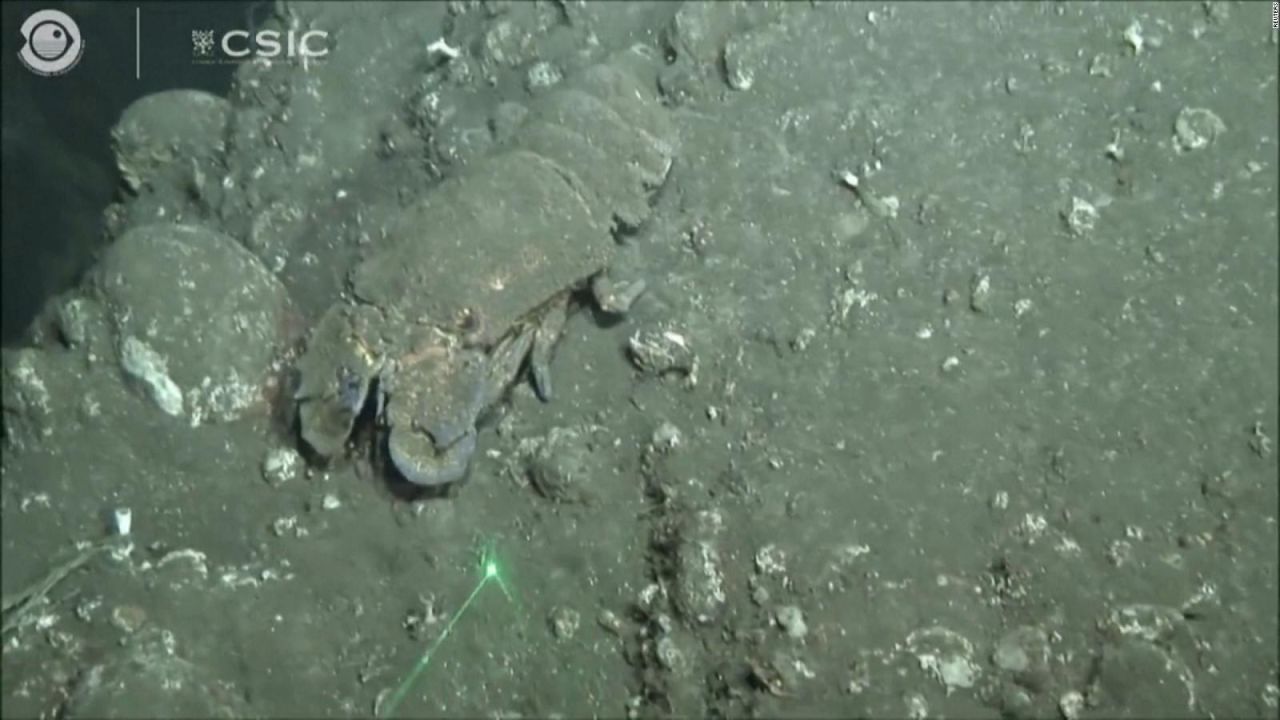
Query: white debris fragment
x=1133 y=37
x=40 y=499
x=148 y=367
x=442 y=47
x=122 y=519
x=1033 y=525
x=885 y=207
x=1000 y=501
x=650 y=596
x=1071 y=704
x=197 y=559
x=283 y=525
x=979 y=292
x=675 y=338
x=801 y=341
x=1113 y=150
x=848 y=299
x=121 y=551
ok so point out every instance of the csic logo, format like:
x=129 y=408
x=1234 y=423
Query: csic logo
x=51 y=43
x=239 y=45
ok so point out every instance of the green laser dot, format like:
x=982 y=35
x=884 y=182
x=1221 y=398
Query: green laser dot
x=490 y=573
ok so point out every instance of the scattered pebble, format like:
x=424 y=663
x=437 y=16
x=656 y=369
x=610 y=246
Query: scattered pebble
x=284 y=525
x=1082 y=217
x=542 y=76
x=128 y=618
x=1100 y=66
x=140 y=361
x=791 y=620
x=610 y=621
x=670 y=656
x=650 y=596
x=86 y=609
x=744 y=55
x=699 y=589
x=557 y=466
x=1196 y=129
x=564 y=622
x=759 y=593
x=280 y=465
x=661 y=351
x=1000 y=501
x=72 y=321
x=979 y=292
x=1071 y=704
x=770 y=560
x=946 y=656
x=801 y=341
x=667 y=437
x=1021 y=649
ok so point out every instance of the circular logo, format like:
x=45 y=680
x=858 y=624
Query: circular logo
x=51 y=43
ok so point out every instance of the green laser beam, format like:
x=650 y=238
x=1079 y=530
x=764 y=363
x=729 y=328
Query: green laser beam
x=491 y=570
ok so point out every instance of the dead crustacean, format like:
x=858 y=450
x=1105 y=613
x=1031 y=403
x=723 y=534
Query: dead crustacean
x=475 y=281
